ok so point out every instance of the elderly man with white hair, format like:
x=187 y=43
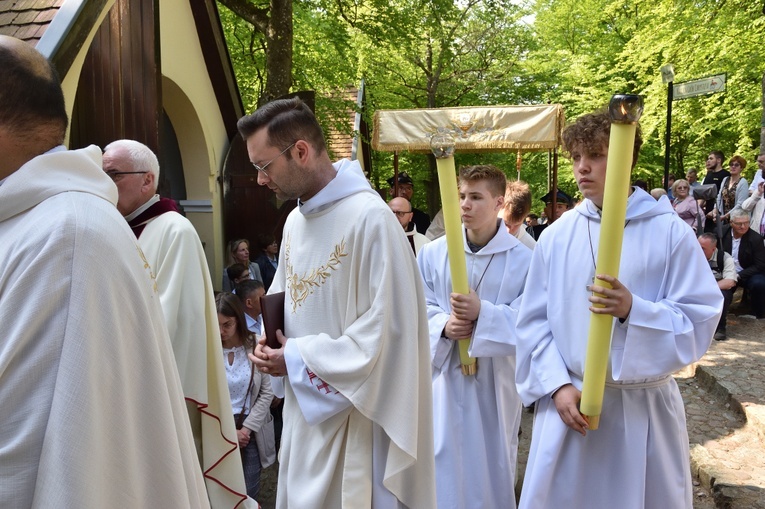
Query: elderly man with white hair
x=748 y=251
x=174 y=252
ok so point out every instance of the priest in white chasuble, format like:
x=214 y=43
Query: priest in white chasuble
x=354 y=355
x=92 y=411
x=175 y=255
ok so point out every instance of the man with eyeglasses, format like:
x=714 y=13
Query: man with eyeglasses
x=748 y=251
x=174 y=252
x=354 y=361
x=420 y=219
x=92 y=411
x=403 y=211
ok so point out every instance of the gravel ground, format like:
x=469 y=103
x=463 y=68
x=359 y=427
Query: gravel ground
x=267 y=495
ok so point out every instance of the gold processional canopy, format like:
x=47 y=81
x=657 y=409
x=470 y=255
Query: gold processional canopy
x=475 y=128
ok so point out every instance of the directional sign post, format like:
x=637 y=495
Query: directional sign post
x=701 y=86
x=668 y=76
x=685 y=90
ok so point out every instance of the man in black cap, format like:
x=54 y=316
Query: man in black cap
x=420 y=219
x=562 y=203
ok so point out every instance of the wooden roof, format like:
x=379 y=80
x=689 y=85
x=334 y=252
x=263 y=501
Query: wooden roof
x=27 y=19
x=347 y=129
x=339 y=141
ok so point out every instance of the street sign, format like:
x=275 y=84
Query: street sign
x=701 y=86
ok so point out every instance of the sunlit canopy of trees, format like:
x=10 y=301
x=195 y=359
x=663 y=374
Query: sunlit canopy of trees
x=438 y=53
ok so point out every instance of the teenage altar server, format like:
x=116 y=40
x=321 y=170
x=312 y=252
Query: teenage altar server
x=476 y=417
x=666 y=305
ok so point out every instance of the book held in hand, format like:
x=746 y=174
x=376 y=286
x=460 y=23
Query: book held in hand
x=272 y=308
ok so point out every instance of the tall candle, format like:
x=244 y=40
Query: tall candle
x=625 y=111
x=443 y=148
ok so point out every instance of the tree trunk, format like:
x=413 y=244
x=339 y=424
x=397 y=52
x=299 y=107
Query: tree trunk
x=275 y=24
x=279 y=51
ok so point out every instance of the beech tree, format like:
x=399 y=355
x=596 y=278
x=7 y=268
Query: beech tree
x=440 y=53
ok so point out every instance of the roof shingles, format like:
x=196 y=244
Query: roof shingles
x=27 y=19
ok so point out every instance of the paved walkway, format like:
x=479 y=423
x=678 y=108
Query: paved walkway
x=725 y=406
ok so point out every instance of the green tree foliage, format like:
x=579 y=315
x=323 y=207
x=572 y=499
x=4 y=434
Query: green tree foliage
x=594 y=48
x=439 y=53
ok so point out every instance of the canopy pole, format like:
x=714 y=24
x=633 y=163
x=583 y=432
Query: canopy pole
x=395 y=174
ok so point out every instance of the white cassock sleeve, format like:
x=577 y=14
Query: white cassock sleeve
x=676 y=330
x=317 y=399
x=540 y=368
x=494 y=332
x=440 y=346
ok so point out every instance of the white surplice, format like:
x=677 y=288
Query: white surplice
x=418 y=238
x=175 y=254
x=92 y=407
x=357 y=328
x=639 y=457
x=476 y=418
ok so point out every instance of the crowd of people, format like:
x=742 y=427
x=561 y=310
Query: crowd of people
x=728 y=217
x=529 y=341
x=153 y=390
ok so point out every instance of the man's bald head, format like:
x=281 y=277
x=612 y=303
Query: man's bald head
x=403 y=210
x=33 y=115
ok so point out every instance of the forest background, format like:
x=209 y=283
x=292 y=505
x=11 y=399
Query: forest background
x=441 y=53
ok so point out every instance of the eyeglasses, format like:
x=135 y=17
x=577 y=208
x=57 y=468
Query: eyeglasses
x=116 y=176
x=735 y=164
x=739 y=223
x=400 y=213
x=262 y=169
x=681 y=187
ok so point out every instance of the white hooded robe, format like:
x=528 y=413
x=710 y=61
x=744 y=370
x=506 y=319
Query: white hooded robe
x=639 y=456
x=476 y=418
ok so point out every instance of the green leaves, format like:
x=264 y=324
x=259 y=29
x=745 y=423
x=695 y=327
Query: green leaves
x=438 y=53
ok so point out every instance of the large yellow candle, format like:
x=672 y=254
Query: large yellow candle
x=443 y=149
x=625 y=111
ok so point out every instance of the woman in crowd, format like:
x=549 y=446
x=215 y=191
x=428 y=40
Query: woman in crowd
x=239 y=252
x=733 y=190
x=249 y=389
x=686 y=206
x=268 y=258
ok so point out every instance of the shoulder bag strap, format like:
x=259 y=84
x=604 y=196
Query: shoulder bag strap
x=240 y=420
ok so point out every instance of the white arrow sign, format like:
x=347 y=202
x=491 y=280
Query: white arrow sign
x=702 y=86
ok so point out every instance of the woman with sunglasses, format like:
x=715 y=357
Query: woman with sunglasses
x=686 y=206
x=733 y=190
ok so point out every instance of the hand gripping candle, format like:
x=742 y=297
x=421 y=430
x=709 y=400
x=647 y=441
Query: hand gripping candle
x=625 y=111
x=442 y=145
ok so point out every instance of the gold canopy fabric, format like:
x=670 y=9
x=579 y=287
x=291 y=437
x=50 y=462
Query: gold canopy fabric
x=475 y=129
